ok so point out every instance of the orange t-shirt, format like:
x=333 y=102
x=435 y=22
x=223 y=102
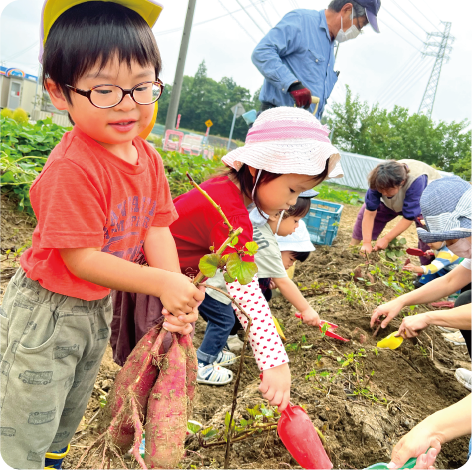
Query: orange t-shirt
x=87 y=197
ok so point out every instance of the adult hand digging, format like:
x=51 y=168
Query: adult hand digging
x=414 y=325
x=389 y=310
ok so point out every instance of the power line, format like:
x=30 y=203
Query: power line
x=392 y=96
x=428 y=6
x=397 y=74
x=407 y=14
x=424 y=15
x=398 y=21
x=17 y=54
x=235 y=19
x=251 y=18
x=424 y=72
x=400 y=36
x=413 y=79
x=174 y=30
x=260 y=13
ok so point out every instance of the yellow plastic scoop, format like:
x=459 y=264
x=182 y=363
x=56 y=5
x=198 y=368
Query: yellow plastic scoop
x=391 y=341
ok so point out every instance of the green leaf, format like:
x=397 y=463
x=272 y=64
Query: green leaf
x=228 y=278
x=252 y=248
x=209 y=264
x=325 y=373
x=243 y=271
x=243 y=423
x=234 y=241
x=209 y=433
x=402 y=241
x=193 y=427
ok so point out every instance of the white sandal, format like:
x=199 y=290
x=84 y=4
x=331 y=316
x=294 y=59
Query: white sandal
x=213 y=374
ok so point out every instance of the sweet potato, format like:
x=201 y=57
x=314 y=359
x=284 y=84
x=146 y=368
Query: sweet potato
x=192 y=368
x=166 y=417
x=133 y=383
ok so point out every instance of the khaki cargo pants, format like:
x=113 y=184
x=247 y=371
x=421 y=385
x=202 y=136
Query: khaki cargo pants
x=51 y=347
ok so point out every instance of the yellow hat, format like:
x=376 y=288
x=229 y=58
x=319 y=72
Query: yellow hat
x=52 y=9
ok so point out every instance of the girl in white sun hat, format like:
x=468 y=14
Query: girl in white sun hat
x=287 y=151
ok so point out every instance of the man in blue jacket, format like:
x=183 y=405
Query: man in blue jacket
x=296 y=57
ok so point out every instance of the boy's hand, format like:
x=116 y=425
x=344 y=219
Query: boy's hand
x=275 y=386
x=178 y=295
x=412 y=268
x=366 y=247
x=180 y=325
x=310 y=317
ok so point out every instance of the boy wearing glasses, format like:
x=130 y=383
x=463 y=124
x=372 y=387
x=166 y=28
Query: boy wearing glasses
x=101 y=196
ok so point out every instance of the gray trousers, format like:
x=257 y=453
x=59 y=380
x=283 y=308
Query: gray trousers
x=51 y=347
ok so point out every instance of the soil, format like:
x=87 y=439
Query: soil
x=363 y=408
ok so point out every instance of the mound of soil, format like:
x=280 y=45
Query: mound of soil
x=363 y=399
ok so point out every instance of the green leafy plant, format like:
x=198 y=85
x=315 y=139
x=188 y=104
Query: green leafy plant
x=261 y=419
x=395 y=248
x=330 y=193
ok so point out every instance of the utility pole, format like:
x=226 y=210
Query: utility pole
x=179 y=71
x=438 y=45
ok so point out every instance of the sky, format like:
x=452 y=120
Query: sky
x=386 y=68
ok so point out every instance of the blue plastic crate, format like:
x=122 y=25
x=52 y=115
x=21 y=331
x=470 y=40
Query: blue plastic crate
x=322 y=221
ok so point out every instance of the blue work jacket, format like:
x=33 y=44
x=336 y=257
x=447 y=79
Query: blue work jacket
x=299 y=48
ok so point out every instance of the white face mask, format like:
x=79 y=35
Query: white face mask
x=350 y=33
x=462 y=248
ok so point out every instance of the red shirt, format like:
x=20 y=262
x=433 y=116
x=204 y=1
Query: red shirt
x=87 y=197
x=200 y=226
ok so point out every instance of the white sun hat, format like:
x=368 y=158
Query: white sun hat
x=287 y=140
x=298 y=241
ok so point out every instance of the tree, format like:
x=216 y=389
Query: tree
x=203 y=98
x=375 y=132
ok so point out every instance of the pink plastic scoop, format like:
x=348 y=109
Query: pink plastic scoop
x=299 y=436
x=301 y=439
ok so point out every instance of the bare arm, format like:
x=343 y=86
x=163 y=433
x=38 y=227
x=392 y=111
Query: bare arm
x=290 y=291
x=177 y=293
x=160 y=249
x=367 y=228
x=399 y=228
x=161 y=252
x=434 y=290
x=434 y=431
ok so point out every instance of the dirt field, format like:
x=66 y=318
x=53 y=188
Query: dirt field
x=362 y=409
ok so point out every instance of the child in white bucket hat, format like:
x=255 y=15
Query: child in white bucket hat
x=287 y=151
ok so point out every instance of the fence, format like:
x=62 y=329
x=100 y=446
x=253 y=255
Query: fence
x=215 y=141
x=356 y=169
x=59 y=119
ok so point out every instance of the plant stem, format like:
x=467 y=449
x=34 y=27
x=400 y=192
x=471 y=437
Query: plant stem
x=240 y=368
x=199 y=277
x=212 y=202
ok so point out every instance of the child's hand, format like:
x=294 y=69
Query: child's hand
x=310 y=317
x=180 y=325
x=178 y=295
x=366 y=247
x=429 y=252
x=275 y=386
x=412 y=268
x=272 y=284
x=381 y=244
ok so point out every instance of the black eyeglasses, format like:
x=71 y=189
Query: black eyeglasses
x=108 y=96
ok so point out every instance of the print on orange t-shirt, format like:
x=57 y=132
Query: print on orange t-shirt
x=86 y=197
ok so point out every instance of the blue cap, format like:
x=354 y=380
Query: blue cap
x=446 y=206
x=372 y=7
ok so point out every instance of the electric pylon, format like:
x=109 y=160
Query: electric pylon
x=438 y=45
